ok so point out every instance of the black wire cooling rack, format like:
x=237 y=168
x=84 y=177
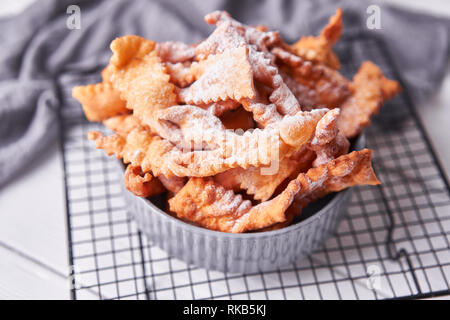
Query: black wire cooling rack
x=393 y=242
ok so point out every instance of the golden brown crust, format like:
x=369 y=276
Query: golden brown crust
x=122 y=124
x=314 y=85
x=370 y=89
x=317 y=85
x=138 y=147
x=100 y=101
x=261 y=186
x=142 y=184
x=180 y=73
x=175 y=52
x=318 y=49
x=127 y=48
x=145 y=85
x=346 y=171
x=213 y=84
x=209 y=204
x=328 y=142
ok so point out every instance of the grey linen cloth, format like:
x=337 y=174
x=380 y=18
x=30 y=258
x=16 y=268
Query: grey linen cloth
x=37 y=50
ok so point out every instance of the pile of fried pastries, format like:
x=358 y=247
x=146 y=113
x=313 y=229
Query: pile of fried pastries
x=240 y=131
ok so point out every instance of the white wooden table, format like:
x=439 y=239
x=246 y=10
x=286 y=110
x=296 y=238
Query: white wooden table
x=33 y=237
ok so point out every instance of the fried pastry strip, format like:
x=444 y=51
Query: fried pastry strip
x=220 y=107
x=215 y=84
x=253 y=148
x=370 y=89
x=290 y=214
x=318 y=85
x=180 y=73
x=232 y=34
x=209 y=204
x=140 y=77
x=142 y=184
x=328 y=142
x=139 y=148
x=346 y=171
x=100 y=101
x=266 y=73
x=256 y=148
x=185 y=125
x=126 y=49
x=173 y=184
x=318 y=49
x=314 y=85
x=262 y=187
x=122 y=124
x=175 y=52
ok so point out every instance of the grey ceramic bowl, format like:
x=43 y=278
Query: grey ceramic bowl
x=240 y=253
